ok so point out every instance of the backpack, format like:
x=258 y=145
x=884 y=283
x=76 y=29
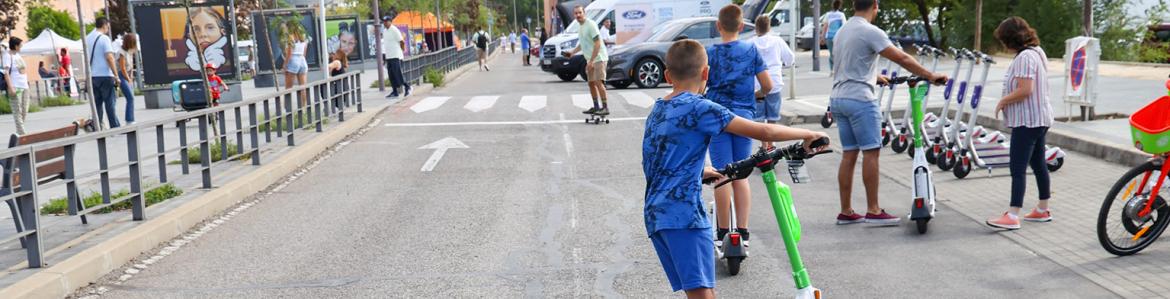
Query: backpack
x=4 y=75
x=481 y=41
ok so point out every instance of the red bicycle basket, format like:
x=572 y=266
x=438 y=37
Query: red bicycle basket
x=1150 y=126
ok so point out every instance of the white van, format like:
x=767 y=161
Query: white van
x=632 y=20
x=782 y=20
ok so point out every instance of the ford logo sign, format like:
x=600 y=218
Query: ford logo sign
x=704 y=2
x=634 y=14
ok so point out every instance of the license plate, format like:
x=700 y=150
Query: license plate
x=546 y=62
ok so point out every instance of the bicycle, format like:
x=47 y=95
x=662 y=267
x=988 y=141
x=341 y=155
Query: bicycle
x=1143 y=214
x=781 y=197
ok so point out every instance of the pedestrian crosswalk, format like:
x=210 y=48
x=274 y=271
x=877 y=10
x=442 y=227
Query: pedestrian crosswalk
x=634 y=100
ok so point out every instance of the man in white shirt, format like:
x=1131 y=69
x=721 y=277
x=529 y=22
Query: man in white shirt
x=392 y=45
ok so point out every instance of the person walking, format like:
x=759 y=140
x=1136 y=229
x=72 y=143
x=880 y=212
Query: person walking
x=392 y=45
x=512 y=41
x=591 y=45
x=482 y=39
x=1027 y=111
x=126 y=72
x=853 y=103
x=526 y=46
x=102 y=65
x=776 y=54
x=833 y=22
x=14 y=67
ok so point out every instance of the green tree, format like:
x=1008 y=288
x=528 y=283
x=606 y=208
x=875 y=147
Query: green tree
x=9 y=16
x=1119 y=34
x=1054 y=21
x=44 y=17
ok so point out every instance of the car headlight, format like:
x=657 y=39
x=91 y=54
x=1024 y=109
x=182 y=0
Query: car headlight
x=568 y=44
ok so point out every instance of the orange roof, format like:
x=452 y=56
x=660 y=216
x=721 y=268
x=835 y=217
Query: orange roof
x=416 y=21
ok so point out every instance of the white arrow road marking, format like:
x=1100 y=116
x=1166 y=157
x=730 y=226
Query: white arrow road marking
x=638 y=98
x=533 y=103
x=440 y=148
x=481 y=103
x=583 y=101
x=428 y=104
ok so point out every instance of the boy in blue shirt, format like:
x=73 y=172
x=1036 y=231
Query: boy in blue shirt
x=734 y=66
x=678 y=131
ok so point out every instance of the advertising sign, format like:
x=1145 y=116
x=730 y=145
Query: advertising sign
x=170 y=49
x=267 y=28
x=343 y=34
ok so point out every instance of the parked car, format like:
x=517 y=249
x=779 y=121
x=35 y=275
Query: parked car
x=910 y=34
x=642 y=64
x=804 y=38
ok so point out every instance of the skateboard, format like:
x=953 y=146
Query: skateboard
x=597 y=119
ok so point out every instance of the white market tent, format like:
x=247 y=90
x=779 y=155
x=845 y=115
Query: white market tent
x=48 y=43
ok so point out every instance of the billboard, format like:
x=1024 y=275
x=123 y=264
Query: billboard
x=368 y=30
x=267 y=28
x=170 y=49
x=343 y=34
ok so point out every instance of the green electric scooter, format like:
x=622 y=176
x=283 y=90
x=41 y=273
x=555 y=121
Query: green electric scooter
x=781 y=197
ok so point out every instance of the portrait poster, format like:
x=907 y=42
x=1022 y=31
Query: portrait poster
x=170 y=48
x=267 y=28
x=343 y=34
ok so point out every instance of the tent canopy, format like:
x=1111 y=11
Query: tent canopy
x=48 y=43
x=417 y=21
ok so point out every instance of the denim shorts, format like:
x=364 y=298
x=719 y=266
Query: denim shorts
x=859 y=122
x=687 y=256
x=297 y=65
x=727 y=147
x=769 y=109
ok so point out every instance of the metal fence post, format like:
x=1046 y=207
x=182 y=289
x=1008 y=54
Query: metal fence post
x=104 y=167
x=279 y=115
x=160 y=142
x=27 y=205
x=253 y=129
x=205 y=151
x=359 y=91
x=239 y=130
x=267 y=123
x=71 y=196
x=317 y=103
x=223 y=139
x=288 y=114
x=137 y=202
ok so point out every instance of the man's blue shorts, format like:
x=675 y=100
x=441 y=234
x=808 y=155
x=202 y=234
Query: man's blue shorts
x=859 y=122
x=687 y=256
x=769 y=109
x=726 y=147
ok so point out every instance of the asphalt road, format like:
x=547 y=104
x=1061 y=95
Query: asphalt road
x=540 y=207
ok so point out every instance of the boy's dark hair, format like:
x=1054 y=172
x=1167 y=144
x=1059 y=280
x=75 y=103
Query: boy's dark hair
x=100 y=22
x=685 y=60
x=863 y=5
x=14 y=42
x=730 y=17
x=1016 y=34
x=836 y=4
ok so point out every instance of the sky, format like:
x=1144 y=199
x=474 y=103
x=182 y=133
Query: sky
x=1138 y=7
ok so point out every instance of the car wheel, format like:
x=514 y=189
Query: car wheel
x=648 y=73
x=621 y=84
x=566 y=76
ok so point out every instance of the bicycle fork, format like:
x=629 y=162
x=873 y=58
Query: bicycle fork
x=781 y=197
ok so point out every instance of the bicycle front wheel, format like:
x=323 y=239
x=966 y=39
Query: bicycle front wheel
x=1120 y=227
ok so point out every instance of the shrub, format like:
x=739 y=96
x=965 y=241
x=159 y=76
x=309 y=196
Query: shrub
x=6 y=107
x=164 y=192
x=433 y=76
x=59 y=100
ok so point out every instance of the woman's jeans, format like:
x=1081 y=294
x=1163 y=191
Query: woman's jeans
x=1028 y=150
x=128 y=92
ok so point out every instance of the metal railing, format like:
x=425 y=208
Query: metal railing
x=253 y=121
x=444 y=60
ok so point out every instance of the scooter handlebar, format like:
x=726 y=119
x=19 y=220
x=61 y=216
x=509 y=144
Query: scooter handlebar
x=909 y=80
x=741 y=169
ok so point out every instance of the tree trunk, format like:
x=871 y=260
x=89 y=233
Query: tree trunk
x=978 y=24
x=925 y=13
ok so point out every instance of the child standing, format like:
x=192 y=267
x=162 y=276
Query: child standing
x=679 y=129
x=736 y=67
x=216 y=84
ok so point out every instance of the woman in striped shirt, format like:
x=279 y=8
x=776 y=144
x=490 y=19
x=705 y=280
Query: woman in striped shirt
x=1026 y=110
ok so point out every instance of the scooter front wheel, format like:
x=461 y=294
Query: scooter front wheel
x=1054 y=166
x=921 y=223
x=733 y=265
x=932 y=155
x=885 y=137
x=900 y=143
x=827 y=120
x=962 y=168
x=947 y=160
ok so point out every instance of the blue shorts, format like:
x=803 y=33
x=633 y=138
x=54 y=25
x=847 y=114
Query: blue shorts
x=687 y=256
x=859 y=122
x=726 y=147
x=769 y=109
x=297 y=65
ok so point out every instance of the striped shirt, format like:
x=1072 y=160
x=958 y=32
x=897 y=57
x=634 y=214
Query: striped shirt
x=1035 y=111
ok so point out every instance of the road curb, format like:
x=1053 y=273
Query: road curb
x=89 y=265
x=1058 y=135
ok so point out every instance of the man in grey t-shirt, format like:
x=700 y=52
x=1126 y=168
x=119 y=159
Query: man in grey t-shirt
x=854 y=106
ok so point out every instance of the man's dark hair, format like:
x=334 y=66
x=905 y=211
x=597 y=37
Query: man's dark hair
x=836 y=4
x=14 y=42
x=685 y=60
x=101 y=22
x=863 y=5
x=730 y=17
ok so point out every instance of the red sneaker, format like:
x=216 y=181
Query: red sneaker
x=882 y=219
x=1036 y=216
x=1004 y=222
x=843 y=219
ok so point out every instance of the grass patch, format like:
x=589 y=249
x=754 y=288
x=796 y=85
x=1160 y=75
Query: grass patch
x=303 y=121
x=433 y=76
x=246 y=77
x=375 y=83
x=193 y=156
x=164 y=192
x=59 y=101
x=6 y=107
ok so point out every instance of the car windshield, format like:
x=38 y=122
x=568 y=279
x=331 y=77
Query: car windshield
x=664 y=32
x=591 y=14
